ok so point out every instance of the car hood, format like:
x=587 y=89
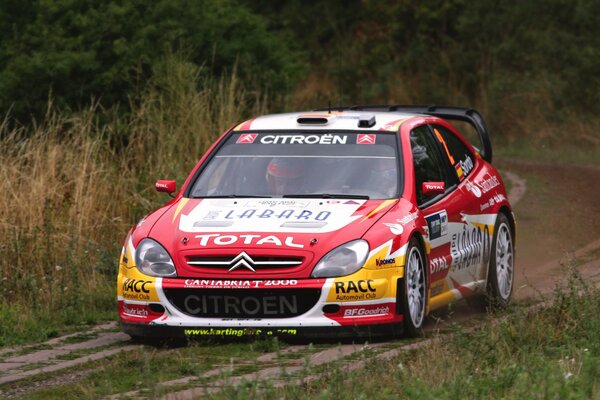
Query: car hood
x=206 y=237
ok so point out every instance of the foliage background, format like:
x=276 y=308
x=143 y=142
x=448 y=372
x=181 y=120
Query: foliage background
x=539 y=57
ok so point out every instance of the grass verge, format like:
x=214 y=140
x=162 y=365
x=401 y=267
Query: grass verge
x=553 y=353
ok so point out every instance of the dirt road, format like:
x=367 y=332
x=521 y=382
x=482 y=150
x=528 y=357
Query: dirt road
x=569 y=228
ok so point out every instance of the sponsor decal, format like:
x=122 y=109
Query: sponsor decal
x=353 y=291
x=267 y=215
x=466 y=165
x=273 y=203
x=136 y=285
x=469 y=247
x=433 y=185
x=136 y=289
x=409 y=218
x=233 y=306
x=226 y=240
x=237 y=284
x=247 y=138
x=497 y=198
x=437 y=264
x=238 y=332
x=355 y=287
x=386 y=262
x=366 y=312
x=258 y=214
x=303 y=139
x=488 y=184
x=161 y=185
x=365 y=138
x=473 y=189
x=398 y=227
x=437 y=224
x=135 y=310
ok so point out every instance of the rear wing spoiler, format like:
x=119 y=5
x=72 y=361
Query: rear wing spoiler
x=469 y=115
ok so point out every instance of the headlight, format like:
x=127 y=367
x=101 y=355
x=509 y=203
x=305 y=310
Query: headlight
x=152 y=259
x=343 y=260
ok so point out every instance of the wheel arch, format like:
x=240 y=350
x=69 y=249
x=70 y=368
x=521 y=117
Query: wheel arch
x=421 y=242
x=511 y=219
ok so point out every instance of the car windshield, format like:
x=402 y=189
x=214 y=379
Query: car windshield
x=302 y=164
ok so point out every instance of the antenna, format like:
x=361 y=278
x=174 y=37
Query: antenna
x=329 y=106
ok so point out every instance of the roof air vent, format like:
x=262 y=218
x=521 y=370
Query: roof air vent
x=366 y=120
x=314 y=119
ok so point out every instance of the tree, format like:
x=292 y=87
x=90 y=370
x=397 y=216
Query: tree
x=76 y=50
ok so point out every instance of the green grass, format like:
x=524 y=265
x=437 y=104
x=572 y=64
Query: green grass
x=552 y=354
x=563 y=153
x=20 y=324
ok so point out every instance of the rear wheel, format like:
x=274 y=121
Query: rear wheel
x=501 y=274
x=413 y=290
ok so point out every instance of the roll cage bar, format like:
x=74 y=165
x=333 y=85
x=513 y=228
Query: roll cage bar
x=463 y=114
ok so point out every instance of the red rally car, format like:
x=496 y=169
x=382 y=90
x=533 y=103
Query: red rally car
x=346 y=222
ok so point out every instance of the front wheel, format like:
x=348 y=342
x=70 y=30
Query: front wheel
x=501 y=274
x=413 y=290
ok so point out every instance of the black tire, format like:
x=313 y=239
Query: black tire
x=412 y=290
x=501 y=273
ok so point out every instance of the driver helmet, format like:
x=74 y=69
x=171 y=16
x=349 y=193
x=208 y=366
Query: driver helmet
x=384 y=174
x=285 y=175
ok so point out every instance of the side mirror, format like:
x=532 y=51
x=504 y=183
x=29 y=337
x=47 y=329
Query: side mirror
x=166 y=186
x=433 y=188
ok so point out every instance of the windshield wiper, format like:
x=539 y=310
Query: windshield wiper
x=231 y=196
x=327 y=196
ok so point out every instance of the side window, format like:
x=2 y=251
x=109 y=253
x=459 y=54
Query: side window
x=427 y=160
x=461 y=159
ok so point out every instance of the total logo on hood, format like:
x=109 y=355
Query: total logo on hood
x=269 y=215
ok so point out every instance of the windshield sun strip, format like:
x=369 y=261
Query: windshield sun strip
x=304 y=156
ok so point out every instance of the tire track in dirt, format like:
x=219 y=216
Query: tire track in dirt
x=273 y=373
x=22 y=362
x=267 y=358
x=60 y=339
x=517 y=189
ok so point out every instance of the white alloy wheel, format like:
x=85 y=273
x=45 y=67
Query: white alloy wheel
x=502 y=268
x=413 y=292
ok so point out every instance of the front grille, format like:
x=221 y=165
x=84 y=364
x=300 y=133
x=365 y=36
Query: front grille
x=227 y=262
x=243 y=303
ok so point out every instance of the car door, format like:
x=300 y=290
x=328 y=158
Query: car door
x=440 y=211
x=470 y=238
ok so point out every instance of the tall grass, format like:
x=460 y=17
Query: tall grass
x=69 y=195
